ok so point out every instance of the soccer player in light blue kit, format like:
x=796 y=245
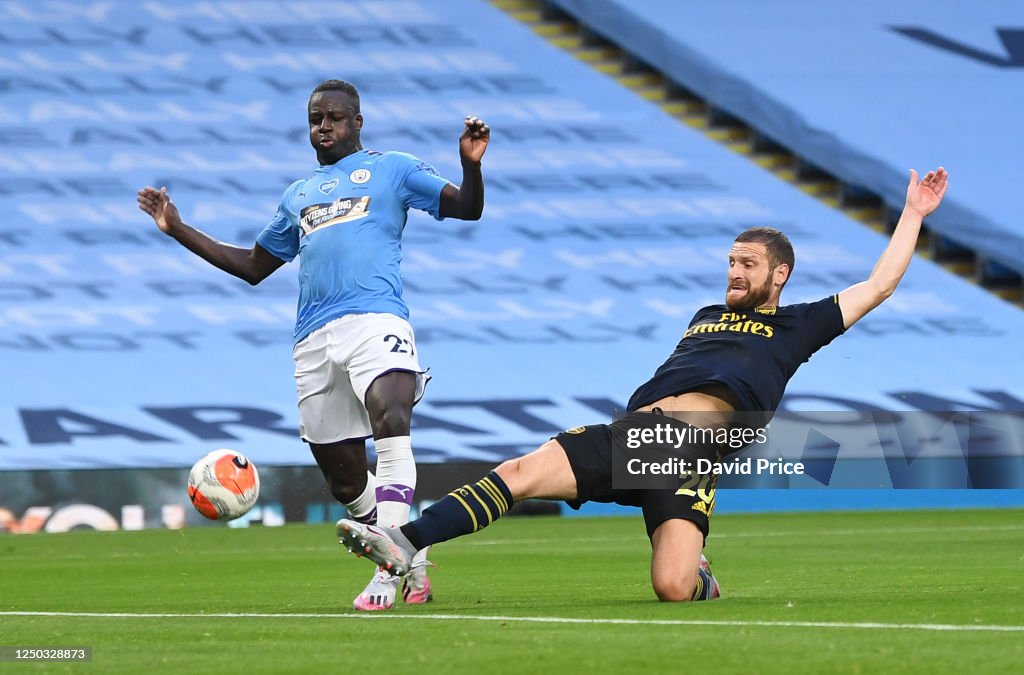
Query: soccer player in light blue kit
x=357 y=369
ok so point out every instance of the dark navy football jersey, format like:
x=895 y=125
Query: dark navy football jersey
x=752 y=352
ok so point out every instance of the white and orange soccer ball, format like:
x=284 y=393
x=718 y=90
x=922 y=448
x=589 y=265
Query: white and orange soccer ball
x=223 y=485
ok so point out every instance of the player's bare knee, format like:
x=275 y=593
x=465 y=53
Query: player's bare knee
x=509 y=470
x=675 y=588
x=672 y=584
x=391 y=420
x=346 y=489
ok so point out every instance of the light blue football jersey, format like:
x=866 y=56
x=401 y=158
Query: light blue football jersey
x=345 y=223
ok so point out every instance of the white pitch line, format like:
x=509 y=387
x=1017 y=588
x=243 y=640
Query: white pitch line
x=541 y=619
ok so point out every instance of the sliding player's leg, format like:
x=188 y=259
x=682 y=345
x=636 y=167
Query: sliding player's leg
x=544 y=473
x=677 y=524
x=679 y=571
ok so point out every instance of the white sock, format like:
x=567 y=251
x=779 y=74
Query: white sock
x=364 y=508
x=396 y=480
x=420 y=556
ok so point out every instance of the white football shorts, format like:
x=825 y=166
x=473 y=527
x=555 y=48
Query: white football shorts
x=337 y=363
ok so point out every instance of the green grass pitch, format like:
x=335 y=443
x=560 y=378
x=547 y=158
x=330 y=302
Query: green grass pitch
x=901 y=592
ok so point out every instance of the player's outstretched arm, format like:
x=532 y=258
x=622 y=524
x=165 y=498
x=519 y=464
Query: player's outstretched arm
x=252 y=265
x=922 y=198
x=466 y=202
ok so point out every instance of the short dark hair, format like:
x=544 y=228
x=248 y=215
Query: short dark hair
x=339 y=85
x=777 y=244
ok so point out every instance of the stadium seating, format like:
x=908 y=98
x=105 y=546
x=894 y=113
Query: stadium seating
x=861 y=90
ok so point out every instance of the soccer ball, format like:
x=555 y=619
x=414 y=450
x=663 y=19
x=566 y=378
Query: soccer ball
x=223 y=485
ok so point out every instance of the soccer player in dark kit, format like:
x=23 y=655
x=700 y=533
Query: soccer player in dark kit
x=733 y=358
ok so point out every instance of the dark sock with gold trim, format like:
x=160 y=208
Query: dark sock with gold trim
x=463 y=511
x=705 y=589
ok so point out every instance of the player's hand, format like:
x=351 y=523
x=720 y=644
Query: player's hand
x=158 y=204
x=926 y=195
x=474 y=139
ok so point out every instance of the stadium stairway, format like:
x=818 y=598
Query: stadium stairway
x=675 y=98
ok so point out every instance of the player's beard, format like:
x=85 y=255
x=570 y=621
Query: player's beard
x=753 y=298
